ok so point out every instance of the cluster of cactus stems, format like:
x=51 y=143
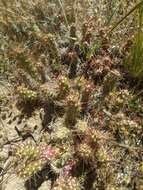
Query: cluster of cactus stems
x=98 y=68
x=75 y=144
x=61 y=151
x=26 y=94
x=28 y=159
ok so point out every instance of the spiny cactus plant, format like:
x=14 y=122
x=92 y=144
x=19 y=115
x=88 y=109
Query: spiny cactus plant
x=53 y=49
x=48 y=92
x=48 y=41
x=80 y=82
x=70 y=183
x=65 y=153
x=24 y=62
x=29 y=169
x=27 y=159
x=98 y=68
x=81 y=127
x=27 y=150
x=72 y=109
x=49 y=153
x=86 y=94
x=41 y=71
x=27 y=95
x=85 y=151
x=111 y=81
x=63 y=86
x=60 y=134
x=91 y=135
x=127 y=129
x=102 y=154
x=117 y=99
x=68 y=167
x=73 y=63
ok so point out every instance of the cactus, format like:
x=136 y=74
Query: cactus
x=68 y=167
x=80 y=83
x=27 y=160
x=87 y=31
x=72 y=109
x=26 y=151
x=29 y=169
x=49 y=153
x=86 y=94
x=48 y=41
x=70 y=183
x=73 y=62
x=60 y=132
x=85 y=151
x=63 y=87
x=110 y=81
x=81 y=127
x=41 y=70
x=64 y=155
x=102 y=154
x=48 y=92
x=26 y=94
x=26 y=64
x=117 y=99
x=52 y=48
